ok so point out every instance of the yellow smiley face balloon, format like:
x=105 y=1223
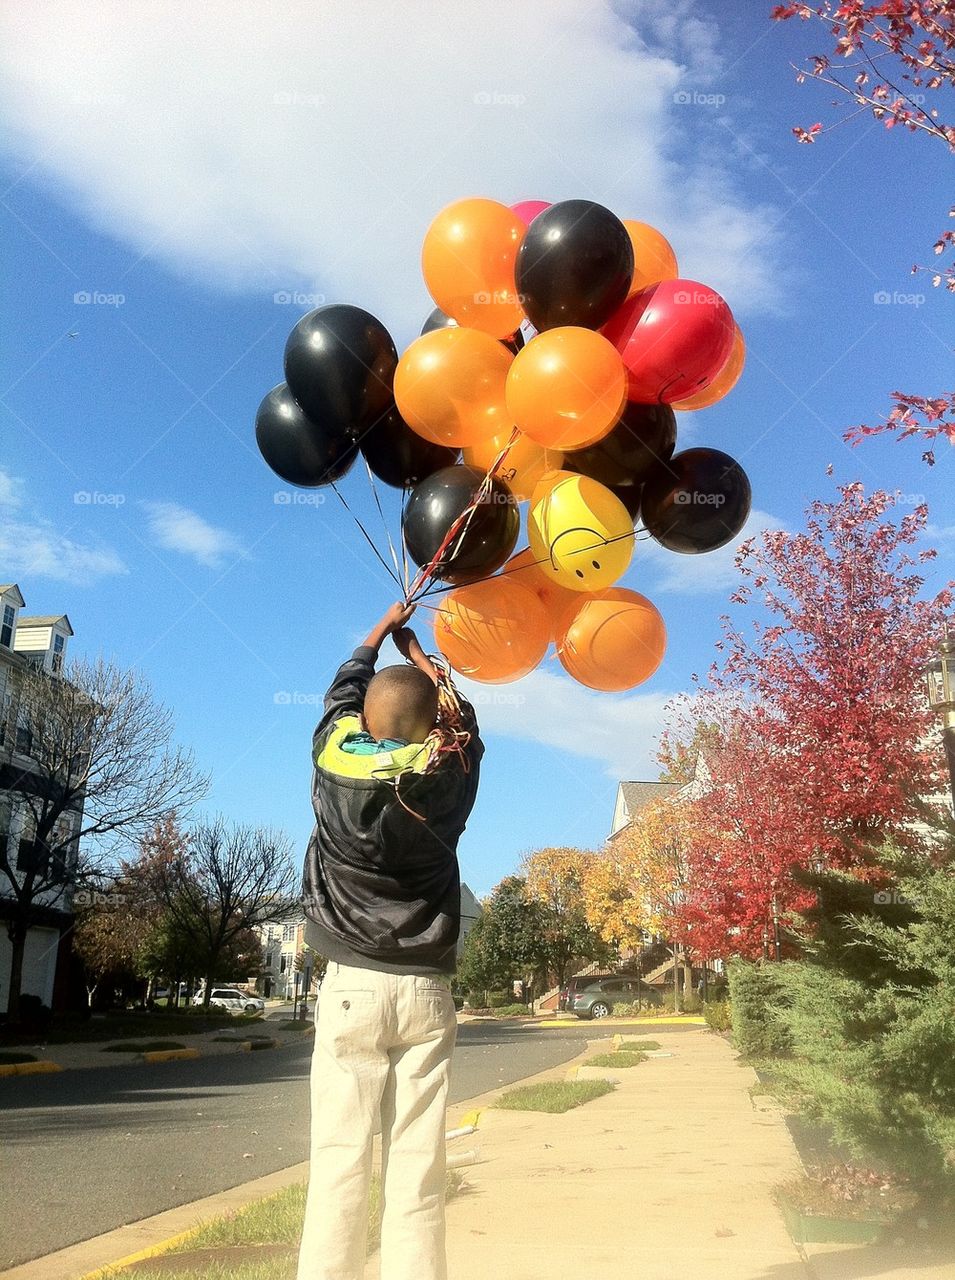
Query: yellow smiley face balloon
x=581 y=534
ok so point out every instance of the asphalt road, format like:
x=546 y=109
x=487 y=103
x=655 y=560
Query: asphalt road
x=85 y=1151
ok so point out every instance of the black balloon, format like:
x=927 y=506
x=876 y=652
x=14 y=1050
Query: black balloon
x=477 y=549
x=697 y=501
x=340 y=366
x=401 y=457
x=439 y=320
x=644 y=436
x=574 y=266
x=297 y=449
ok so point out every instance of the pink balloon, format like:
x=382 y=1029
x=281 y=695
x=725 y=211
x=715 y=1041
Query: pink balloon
x=527 y=210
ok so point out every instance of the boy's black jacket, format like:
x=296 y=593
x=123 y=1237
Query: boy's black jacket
x=381 y=888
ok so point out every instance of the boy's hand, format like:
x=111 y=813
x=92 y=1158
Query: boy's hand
x=397 y=616
x=392 y=621
x=406 y=642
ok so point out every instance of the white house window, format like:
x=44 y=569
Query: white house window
x=288 y=933
x=6 y=627
x=57 y=652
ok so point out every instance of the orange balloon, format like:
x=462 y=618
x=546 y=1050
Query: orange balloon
x=566 y=387
x=615 y=641
x=468 y=260
x=725 y=380
x=653 y=256
x=493 y=631
x=523 y=466
x=557 y=600
x=450 y=386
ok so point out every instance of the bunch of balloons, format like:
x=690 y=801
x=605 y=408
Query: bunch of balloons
x=561 y=343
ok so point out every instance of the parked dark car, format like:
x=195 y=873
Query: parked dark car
x=595 y=997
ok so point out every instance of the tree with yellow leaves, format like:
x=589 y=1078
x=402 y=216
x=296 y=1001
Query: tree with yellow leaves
x=555 y=882
x=637 y=883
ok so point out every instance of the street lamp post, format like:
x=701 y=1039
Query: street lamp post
x=940 y=673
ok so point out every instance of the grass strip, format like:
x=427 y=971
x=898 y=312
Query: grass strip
x=554 y=1096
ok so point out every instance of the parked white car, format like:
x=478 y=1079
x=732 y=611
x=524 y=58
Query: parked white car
x=232 y=1000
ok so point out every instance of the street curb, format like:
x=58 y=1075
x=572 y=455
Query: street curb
x=689 y=1020
x=168 y=1055
x=40 y=1067
x=152 y=1055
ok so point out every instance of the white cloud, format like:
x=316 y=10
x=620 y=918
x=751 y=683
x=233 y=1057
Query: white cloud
x=179 y=529
x=306 y=146
x=10 y=490
x=618 y=730
x=691 y=575
x=33 y=547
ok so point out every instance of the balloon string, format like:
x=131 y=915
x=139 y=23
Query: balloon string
x=384 y=522
x=404 y=548
x=435 y=590
x=462 y=522
x=387 y=567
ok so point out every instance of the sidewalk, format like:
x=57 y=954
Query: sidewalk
x=667 y=1177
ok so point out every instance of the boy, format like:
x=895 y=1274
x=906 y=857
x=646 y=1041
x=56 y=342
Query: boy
x=381 y=894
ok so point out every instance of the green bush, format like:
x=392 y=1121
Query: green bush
x=718 y=1015
x=511 y=1010
x=458 y=1002
x=624 y=1010
x=759 y=1002
x=497 y=999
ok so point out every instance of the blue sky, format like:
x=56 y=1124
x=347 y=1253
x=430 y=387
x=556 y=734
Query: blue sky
x=204 y=189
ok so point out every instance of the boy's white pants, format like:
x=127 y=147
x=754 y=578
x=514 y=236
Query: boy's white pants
x=383 y=1045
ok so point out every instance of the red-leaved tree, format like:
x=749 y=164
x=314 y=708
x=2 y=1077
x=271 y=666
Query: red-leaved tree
x=891 y=60
x=818 y=728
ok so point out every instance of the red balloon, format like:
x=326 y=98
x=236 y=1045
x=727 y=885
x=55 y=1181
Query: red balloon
x=674 y=338
x=527 y=210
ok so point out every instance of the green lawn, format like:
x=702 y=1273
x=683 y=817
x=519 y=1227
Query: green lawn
x=275 y=1221
x=125 y=1025
x=622 y=1059
x=554 y=1096
x=638 y=1046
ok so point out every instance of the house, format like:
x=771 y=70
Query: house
x=25 y=642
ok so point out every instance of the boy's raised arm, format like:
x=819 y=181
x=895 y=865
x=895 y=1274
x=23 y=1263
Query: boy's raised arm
x=346 y=693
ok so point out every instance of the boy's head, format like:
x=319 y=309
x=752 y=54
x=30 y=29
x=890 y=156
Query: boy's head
x=400 y=702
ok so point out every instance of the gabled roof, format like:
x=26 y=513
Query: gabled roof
x=44 y=620
x=12 y=586
x=636 y=795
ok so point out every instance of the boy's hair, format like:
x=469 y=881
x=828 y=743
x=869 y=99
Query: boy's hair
x=400 y=702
